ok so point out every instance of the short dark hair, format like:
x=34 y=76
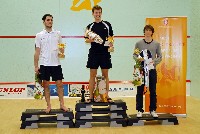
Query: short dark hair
x=148 y=27
x=96 y=7
x=44 y=17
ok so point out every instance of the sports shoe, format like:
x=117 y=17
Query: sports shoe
x=139 y=114
x=153 y=113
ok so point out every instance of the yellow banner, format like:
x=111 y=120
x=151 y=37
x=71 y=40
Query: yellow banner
x=171 y=32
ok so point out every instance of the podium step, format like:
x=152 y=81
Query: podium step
x=35 y=124
x=32 y=117
x=113 y=114
x=102 y=119
x=163 y=119
x=116 y=105
x=34 y=114
x=92 y=115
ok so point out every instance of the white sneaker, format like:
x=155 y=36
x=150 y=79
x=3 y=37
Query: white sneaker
x=139 y=114
x=153 y=113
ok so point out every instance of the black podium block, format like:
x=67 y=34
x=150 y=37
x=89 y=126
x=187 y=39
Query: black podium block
x=163 y=119
x=116 y=105
x=31 y=117
x=92 y=115
x=34 y=124
x=101 y=112
x=34 y=114
x=112 y=122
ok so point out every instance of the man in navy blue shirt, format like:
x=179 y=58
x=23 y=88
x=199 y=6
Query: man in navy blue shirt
x=98 y=53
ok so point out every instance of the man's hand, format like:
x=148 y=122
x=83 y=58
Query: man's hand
x=152 y=62
x=37 y=70
x=110 y=44
x=61 y=50
x=141 y=59
x=89 y=40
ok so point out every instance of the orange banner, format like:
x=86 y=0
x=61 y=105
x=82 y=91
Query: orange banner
x=171 y=32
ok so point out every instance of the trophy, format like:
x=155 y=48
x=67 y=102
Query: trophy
x=110 y=39
x=38 y=89
x=61 y=47
x=83 y=93
x=142 y=67
x=93 y=36
x=100 y=93
x=138 y=74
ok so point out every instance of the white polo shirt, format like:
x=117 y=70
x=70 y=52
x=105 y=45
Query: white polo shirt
x=48 y=44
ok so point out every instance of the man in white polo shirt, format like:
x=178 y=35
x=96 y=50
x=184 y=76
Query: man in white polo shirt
x=46 y=51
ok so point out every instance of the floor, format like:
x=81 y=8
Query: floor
x=11 y=110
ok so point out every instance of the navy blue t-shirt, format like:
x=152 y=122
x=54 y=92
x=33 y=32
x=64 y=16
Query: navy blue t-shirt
x=102 y=30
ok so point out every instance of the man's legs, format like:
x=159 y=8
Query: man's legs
x=93 y=73
x=152 y=89
x=105 y=74
x=47 y=95
x=139 y=98
x=60 y=89
x=105 y=64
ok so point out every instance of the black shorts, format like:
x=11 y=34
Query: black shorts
x=96 y=60
x=54 y=71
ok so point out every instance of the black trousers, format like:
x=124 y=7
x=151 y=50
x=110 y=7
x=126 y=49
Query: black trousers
x=152 y=89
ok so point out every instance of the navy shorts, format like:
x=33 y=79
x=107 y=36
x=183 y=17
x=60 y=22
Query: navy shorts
x=96 y=60
x=51 y=71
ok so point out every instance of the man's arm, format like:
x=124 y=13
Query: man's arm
x=110 y=37
x=136 y=53
x=88 y=40
x=135 y=56
x=37 y=52
x=158 y=58
x=62 y=50
x=59 y=37
x=36 y=59
x=110 y=30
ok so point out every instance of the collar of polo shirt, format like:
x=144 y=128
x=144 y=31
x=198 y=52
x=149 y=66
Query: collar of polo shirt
x=48 y=32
